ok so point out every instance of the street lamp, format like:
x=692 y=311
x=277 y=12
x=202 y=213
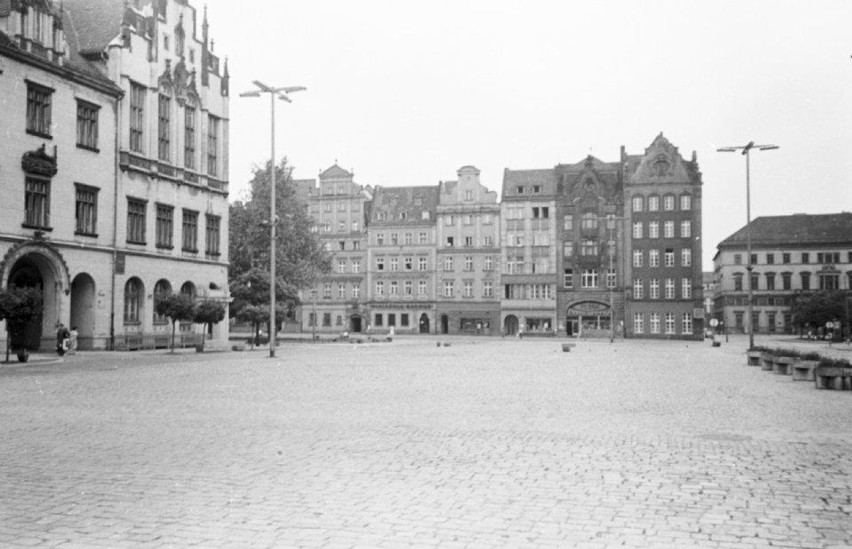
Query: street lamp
x=280 y=93
x=746 y=150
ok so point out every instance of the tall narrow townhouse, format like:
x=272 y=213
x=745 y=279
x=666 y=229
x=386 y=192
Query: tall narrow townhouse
x=339 y=208
x=663 y=210
x=401 y=260
x=590 y=298
x=468 y=256
x=172 y=206
x=528 y=235
x=57 y=176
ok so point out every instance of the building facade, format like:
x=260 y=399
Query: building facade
x=401 y=260
x=467 y=256
x=339 y=208
x=147 y=164
x=790 y=255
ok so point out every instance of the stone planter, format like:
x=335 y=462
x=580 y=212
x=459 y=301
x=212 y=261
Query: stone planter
x=783 y=365
x=23 y=355
x=832 y=377
x=767 y=362
x=753 y=358
x=566 y=347
x=803 y=370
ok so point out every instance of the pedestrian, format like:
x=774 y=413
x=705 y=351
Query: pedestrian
x=62 y=336
x=72 y=343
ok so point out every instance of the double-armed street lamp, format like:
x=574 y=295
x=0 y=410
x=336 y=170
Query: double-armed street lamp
x=746 y=151
x=280 y=93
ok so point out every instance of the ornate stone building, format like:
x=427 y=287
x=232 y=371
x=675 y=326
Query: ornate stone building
x=135 y=104
x=467 y=270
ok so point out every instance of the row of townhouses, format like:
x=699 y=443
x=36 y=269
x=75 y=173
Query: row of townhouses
x=587 y=249
x=114 y=164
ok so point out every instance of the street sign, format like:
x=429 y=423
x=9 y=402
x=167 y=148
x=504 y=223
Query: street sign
x=714 y=322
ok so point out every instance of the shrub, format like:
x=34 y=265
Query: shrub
x=809 y=356
x=791 y=353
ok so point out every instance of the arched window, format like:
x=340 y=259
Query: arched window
x=653 y=203
x=685 y=202
x=161 y=290
x=134 y=294
x=638 y=203
x=188 y=288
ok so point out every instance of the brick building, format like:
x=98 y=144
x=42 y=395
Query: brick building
x=791 y=255
x=124 y=113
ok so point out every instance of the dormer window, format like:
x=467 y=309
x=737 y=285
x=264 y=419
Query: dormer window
x=536 y=189
x=519 y=189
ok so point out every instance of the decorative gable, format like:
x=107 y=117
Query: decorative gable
x=661 y=163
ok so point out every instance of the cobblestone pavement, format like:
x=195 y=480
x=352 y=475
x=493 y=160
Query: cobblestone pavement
x=485 y=443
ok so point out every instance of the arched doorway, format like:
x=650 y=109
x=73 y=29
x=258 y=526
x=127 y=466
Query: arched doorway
x=424 y=323
x=445 y=324
x=83 y=299
x=588 y=319
x=27 y=274
x=355 y=324
x=511 y=325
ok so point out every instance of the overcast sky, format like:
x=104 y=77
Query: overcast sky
x=405 y=93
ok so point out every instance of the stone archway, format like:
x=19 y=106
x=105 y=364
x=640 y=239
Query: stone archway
x=424 y=323
x=588 y=319
x=83 y=301
x=511 y=325
x=355 y=324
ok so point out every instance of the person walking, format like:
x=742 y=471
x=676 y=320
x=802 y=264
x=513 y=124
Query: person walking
x=72 y=341
x=62 y=336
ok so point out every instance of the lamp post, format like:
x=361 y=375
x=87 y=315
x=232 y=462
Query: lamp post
x=610 y=227
x=280 y=93
x=746 y=150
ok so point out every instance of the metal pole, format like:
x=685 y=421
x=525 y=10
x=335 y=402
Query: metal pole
x=611 y=303
x=273 y=331
x=749 y=265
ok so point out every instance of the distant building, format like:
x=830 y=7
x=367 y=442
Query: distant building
x=708 y=283
x=791 y=255
x=467 y=256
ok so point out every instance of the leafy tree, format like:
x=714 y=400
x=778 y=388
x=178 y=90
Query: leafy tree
x=209 y=312
x=818 y=308
x=258 y=315
x=17 y=307
x=299 y=255
x=178 y=307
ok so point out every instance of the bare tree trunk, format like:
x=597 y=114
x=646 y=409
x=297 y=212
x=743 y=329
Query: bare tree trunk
x=8 y=340
x=172 y=349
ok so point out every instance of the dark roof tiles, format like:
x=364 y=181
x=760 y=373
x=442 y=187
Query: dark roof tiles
x=799 y=229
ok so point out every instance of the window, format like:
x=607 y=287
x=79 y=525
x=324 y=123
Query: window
x=754 y=259
x=450 y=241
x=190 y=231
x=828 y=257
x=356 y=290
x=487 y=289
x=670 y=322
x=487 y=242
x=468 y=263
x=738 y=319
x=356 y=265
x=394 y=239
x=38 y=109
x=668 y=202
x=488 y=263
x=37 y=203
x=519 y=190
x=380 y=288
x=165 y=226
x=829 y=281
x=637 y=203
x=421 y=238
x=670 y=288
x=212 y=145
x=468 y=288
x=669 y=257
x=468 y=242
x=448 y=288
x=637 y=229
x=409 y=288
x=770 y=259
x=312 y=319
x=326 y=319
x=806 y=257
x=638 y=323
x=610 y=278
x=568 y=222
x=408 y=263
x=589 y=221
x=686 y=322
x=738 y=259
x=448 y=263
x=655 y=323
x=394 y=264
x=686 y=288
x=589 y=247
x=638 y=288
x=685 y=202
x=341 y=291
x=421 y=287
x=568 y=279
x=449 y=220
x=653 y=203
x=341 y=265
x=137 y=117
x=380 y=263
x=136 y=221
x=655 y=288
x=654 y=229
x=770 y=281
x=754 y=280
x=536 y=189
x=86 y=211
x=394 y=288
x=738 y=282
x=468 y=195
x=189 y=137
x=407 y=239
x=589 y=278
x=568 y=249
x=162 y=289
x=786 y=281
x=685 y=229
x=421 y=263
x=686 y=257
x=164 y=107
x=468 y=219
x=380 y=239
x=653 y=258
x=785 y=258
x=668 y=229
x=134 y=293
x=87 y=125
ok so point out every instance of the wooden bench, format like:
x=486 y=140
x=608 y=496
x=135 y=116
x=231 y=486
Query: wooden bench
x=833 y=377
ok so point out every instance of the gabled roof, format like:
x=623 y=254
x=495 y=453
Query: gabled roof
x=90 y=25
x=392 y=202
x=512 y=179
x=335 y=172
x=792 y=230
x=662 y=163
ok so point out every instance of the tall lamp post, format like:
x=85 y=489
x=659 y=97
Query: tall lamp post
x=746 y=150
x=280 y=93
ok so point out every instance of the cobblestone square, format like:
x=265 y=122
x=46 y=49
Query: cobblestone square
x=484 y=443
